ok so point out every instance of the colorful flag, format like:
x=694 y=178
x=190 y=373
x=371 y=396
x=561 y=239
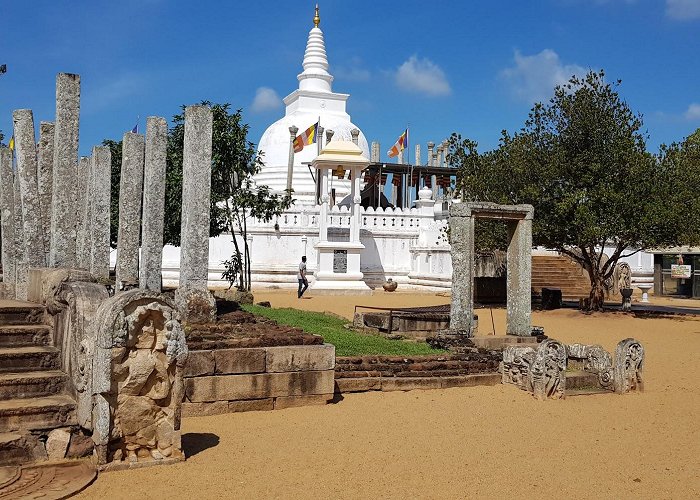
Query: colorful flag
x=12 y=143
x=401 y=144
x=306 y=138
x=135 y=130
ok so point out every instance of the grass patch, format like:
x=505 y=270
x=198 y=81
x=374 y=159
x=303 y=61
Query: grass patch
x=346 y=342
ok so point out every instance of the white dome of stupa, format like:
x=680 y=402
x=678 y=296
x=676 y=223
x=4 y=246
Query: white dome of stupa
x=312 y=102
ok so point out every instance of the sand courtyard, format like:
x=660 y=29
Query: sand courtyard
x=480 y=442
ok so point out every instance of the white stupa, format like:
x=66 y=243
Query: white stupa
x=313 y=99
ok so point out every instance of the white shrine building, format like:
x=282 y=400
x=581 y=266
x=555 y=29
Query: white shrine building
x=405 y=243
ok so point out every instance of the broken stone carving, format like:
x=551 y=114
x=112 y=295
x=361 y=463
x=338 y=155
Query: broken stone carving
x=542 y=371
x=138 y=378
x=547 y=375
x=629 y=364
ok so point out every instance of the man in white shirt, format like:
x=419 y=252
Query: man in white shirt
x=301 y=277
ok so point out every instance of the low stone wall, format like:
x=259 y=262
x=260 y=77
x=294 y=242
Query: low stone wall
x=260 y=378
x=399 y=373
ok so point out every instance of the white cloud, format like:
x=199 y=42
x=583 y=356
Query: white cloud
x=534 y=77
x=266 y=99
x=693 y=112
x=422 y=76
x=353 y=71
x=683 y=10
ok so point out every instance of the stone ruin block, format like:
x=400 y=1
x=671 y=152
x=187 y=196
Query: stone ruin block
x=138 y=379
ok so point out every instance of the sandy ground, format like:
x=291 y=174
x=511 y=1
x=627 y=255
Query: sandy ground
x=482 y=442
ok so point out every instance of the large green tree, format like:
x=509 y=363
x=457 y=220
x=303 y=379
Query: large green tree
x=581 y=160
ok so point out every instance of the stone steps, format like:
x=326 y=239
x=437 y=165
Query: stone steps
x=20 y=313
x=31 y=384
x=17 y=359
x=24 y=335
x=553 y=271
x=46 y=412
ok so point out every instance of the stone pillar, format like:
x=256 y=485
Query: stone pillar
x=518 y=277
x=462 y=242
x=83 y=220
x=431 y=146
x=355 y=176
x=193 y=298
x=45 y=169
x=130 y=194
x=21 y=267
x=101 y=177
x=438 y=163
x=355 y=134
x=433 y=178
x=445 y=148
x=7 y=221
x=65 y=164
x=290 y=162
x=25 y=150
x=323 y=212
x=374 y=156
x=319 y=143
x=416 y=160
x=153 y=204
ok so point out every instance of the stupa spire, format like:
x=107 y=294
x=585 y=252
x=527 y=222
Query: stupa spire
x=315 y=76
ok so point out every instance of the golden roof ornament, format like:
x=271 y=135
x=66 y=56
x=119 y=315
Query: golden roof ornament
x=317 y=18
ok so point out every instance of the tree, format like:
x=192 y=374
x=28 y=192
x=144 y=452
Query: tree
x=581 y=161
x=234 y=196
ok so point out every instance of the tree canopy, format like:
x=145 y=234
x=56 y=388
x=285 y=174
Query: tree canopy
x=581 y=161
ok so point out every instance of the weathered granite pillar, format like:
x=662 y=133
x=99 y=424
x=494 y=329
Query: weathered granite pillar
x=416 y=159
x=65 y=165
x=153 y=204
x=45 y=178
x=374 y=155
x=193 y=297
x=130 y=194
x=83 y=205
x=7 y=222
x=462 y=243
x=431 y=146
x=290 y=161
x=21 y=267
x=101 y=177
x=518 y=277
x=25 y=150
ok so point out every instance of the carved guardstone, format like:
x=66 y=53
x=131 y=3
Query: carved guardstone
x=137 y=379
x=629 y=365
x=547 y=375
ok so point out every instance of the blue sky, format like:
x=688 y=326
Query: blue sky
x=474 y=67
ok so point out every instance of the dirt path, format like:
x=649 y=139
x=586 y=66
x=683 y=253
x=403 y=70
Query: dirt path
x=483 y=442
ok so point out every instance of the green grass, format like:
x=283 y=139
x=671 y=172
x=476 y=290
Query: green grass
x=346 y=342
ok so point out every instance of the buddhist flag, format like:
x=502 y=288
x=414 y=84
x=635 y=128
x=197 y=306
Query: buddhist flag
x=400 y=145
x=306 y=138
x=11 y=145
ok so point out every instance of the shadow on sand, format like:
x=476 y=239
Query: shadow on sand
x=196 y=442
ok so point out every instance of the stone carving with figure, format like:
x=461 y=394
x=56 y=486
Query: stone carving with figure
x=547 y=373
x=629 y=364
x=142 y=347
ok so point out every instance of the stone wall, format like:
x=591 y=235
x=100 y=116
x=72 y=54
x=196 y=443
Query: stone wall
x=264 y=378
x=400 y=373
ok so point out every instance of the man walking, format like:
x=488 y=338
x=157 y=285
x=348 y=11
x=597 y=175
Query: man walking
x=301 y=277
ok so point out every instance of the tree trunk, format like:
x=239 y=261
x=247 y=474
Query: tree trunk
x=596 y=298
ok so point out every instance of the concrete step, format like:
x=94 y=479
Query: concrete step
x=31 y=384
x=20 y=313
x=24 y=335
x=33 y=358
x=37 y=413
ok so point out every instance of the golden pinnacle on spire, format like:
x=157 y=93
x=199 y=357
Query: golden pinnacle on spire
x=317 y=18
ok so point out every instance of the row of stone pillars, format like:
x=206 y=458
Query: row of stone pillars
x=55 y=207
